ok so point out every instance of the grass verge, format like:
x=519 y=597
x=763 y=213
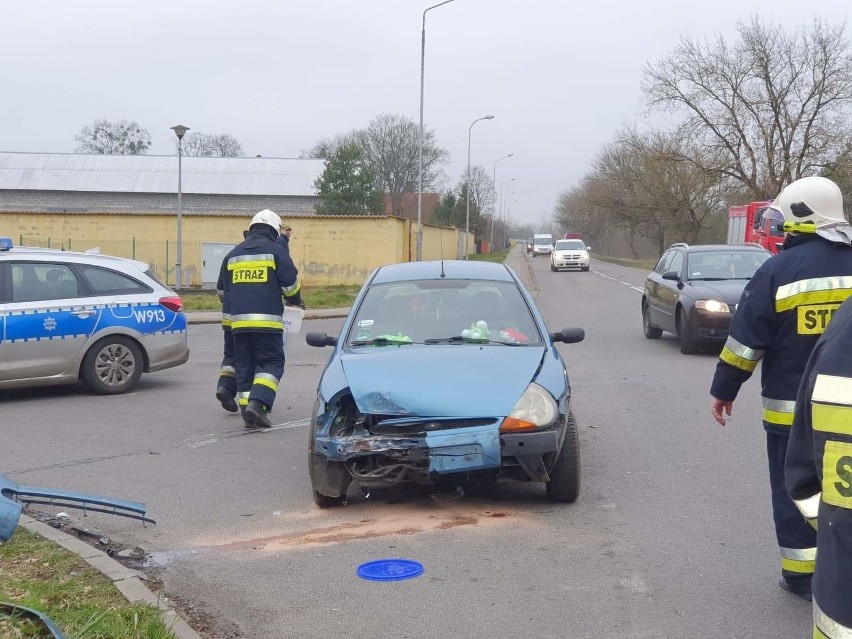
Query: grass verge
x=39 y=574
x=499 y=256
x=315 y=297
x=641 y=264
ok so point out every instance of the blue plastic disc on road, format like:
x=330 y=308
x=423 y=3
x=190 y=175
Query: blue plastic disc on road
x=390 y=570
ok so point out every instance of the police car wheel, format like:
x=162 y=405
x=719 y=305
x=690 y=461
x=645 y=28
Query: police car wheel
x=112 y=366
x=564 y=484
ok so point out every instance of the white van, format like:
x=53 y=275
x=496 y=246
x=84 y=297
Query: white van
x=542 y=244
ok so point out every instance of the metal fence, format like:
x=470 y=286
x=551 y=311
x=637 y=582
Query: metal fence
x=159 y=255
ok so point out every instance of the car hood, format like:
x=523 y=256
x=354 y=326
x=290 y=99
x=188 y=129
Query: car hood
x=728 y=291
x=440 y=380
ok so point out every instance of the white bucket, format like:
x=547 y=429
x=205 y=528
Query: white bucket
x=293 y=316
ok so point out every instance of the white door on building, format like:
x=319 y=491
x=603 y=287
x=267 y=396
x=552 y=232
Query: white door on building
x=212 y=254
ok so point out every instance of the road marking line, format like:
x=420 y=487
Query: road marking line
x=636 y=288
x=626 y=283
x=204 y=443
x=296 y=424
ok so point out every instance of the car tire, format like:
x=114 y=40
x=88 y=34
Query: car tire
x=585 y=269
x=113 y=365
x=688 y=344
x=552 y=268
x=650 y=331
x=564 y=484
x=324 y=501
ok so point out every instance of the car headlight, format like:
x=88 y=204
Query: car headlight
x=712 y=306
x=535 y=409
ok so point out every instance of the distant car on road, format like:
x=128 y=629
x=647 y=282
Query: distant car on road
x=569 y=254
x=68 y=316
x=542 y=244
x=693 y=291
x=443 y=373
x=529 y=245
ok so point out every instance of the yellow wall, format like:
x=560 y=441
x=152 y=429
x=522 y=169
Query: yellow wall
x=326 y=250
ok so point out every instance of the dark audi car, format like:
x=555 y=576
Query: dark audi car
x=693 y=291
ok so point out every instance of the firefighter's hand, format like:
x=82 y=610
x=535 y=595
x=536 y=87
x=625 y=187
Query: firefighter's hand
x=720 y=408
x=298 y=303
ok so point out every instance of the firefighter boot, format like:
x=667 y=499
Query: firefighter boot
x=257 y=413
x=226 y=399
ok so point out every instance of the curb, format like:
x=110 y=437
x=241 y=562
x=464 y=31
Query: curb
x=128 y=581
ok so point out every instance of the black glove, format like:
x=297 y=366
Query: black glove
x=295 y=301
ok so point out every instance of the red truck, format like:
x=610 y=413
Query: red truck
x=573 y=236
x=746 y=223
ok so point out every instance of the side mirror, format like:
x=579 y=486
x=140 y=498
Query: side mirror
x=320 y=340
x=588 y=248
x=673 y=276
x=569 y=335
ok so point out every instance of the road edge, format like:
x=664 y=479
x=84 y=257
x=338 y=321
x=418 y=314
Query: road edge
x=127 y=580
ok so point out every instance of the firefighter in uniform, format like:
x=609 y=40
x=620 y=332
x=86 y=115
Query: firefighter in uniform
x=226 y=385
x=819 y=471
x=252 y=280
x=783 y=310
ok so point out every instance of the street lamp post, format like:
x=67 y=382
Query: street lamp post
x=467 y=208
x=494 y=196
x=420 y=144
x=180 y=131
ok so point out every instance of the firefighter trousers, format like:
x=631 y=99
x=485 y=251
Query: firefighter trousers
x=259 y=360
x=796 y=537
x=228 y=372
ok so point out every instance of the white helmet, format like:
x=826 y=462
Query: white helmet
x=270 y=218
x=811 y=200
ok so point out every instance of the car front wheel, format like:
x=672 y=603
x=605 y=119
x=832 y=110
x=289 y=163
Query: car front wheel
x=564 y=484
x=112 y=366
x=688 y=343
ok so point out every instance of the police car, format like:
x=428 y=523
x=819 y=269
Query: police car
x=79 y=316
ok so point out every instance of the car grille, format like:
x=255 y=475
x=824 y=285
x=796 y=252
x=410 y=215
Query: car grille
x=421 y=428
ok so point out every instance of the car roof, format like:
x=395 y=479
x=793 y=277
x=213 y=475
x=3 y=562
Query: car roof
x=452 y=269
x=698 y=248
x=46 y=255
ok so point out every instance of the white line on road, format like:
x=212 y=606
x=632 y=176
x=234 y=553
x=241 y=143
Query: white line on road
x=636 y=288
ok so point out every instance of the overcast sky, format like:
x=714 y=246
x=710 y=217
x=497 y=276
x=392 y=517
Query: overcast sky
x=559 y=76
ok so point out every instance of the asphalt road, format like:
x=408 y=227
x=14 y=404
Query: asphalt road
x=671 y=535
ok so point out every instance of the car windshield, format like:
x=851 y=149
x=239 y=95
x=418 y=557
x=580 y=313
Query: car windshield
x=543 y=240
x=570 y=245
x=443 y=311
x=724 y=264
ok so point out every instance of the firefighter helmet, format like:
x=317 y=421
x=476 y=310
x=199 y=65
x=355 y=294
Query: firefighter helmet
x=811 y=200
x=270 y=218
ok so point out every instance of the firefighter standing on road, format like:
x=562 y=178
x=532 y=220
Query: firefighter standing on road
x=781 y=314
x=819 y=471
x=226 y=385
x=252 y=280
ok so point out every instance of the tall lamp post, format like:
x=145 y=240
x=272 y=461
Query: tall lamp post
x=467 y=180
x=494 y=196
x=180 y=131
x=420 y=145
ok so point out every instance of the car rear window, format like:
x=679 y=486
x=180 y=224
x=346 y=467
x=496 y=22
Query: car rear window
x=104 y=281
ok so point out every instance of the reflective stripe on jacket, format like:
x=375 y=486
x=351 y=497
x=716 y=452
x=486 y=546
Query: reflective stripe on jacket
x=782 y=312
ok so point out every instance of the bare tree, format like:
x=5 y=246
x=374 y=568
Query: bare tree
x=768 y=108
x=326 y=147
x=211 y=145
x=481 y=189
x=390 y=143
x=120 y=137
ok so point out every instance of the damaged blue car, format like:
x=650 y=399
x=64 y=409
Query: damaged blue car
x=443 y=373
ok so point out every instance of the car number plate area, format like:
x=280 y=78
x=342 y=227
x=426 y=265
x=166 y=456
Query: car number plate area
x=453 y=459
